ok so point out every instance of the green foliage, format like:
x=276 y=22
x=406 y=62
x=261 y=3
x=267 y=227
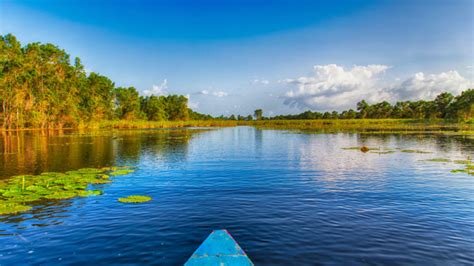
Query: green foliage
x=41 y=88
x=258 y=114
x=438 y=160
x=134 y=199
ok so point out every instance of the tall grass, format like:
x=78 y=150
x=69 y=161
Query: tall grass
x=125 y=124
x=322 y=125
x=365 y=125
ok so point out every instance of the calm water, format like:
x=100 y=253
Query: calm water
x=287 y=198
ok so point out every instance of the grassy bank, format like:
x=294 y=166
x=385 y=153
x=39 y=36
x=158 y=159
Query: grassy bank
x=367 y=125
x=321 y=125
x=124 y=124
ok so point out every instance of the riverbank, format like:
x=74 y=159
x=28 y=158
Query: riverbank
x=322 y=125
x=368 y=125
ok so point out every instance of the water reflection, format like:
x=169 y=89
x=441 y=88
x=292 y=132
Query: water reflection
x=34 y=152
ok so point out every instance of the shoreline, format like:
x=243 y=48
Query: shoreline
x=324 y=125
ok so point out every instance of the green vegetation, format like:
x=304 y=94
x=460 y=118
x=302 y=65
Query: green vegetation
x=135 y=199
x=438 y=160
x=413 y=151
x=53 y=186
x=41 y=88
x=366 y=125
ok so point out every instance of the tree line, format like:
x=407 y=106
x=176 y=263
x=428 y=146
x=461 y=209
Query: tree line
x=41 y=88
x=444 y=106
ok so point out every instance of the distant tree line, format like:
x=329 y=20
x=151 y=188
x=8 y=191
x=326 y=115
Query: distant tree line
x=40 y=88
x=444 y=106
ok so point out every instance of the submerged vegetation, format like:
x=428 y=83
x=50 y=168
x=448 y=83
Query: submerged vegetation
x=18 y=191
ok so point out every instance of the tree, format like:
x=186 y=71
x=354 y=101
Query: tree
x=442 y=103
x=127 y=103
x=462 y=107
x=362 y=107
x=154 y=107
x=258 y=114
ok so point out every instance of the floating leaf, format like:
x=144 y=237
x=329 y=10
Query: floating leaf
x=88 y=193
x=11 y=208
x=121 y=172
x=135 y=199
x=61 y=195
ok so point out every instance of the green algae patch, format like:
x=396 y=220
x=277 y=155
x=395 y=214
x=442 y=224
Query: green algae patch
x=53 y=186
x=437 y=160
x=134 y=199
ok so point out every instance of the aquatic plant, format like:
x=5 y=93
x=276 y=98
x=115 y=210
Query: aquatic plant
x=121 y=172
x=383 y=152
x=438 y=160
x=135 y=199
x=53 y=186
x=462 y=161
x=468 y=169
x=12 y=207
x=414 y=151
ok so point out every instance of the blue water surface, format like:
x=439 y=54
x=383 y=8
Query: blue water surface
x=288 y=198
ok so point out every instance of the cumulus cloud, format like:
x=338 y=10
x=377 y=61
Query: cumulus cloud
x=422 y=86
x=220 y=93
x=334 y=87
x=213 y=93
x=261 y=81
x=191 y=104
x=157 y=90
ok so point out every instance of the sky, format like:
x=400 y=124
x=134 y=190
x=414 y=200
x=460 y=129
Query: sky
x=232 y=57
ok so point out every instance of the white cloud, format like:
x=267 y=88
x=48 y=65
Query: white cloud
x=261 y=81
x=334 y=88
x=427 y=87
x=213 y=93
x=191 y=104
x=220 y=93
x=158 y=90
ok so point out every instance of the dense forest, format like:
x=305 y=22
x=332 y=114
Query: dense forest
x=41 y=87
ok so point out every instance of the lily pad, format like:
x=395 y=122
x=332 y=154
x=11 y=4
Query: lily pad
x=121 y=172
x=88 y=193
x=135 y=199
x=11 y=208
x=61 y=195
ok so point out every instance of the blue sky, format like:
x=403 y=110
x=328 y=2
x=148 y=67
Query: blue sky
x=281 y=56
